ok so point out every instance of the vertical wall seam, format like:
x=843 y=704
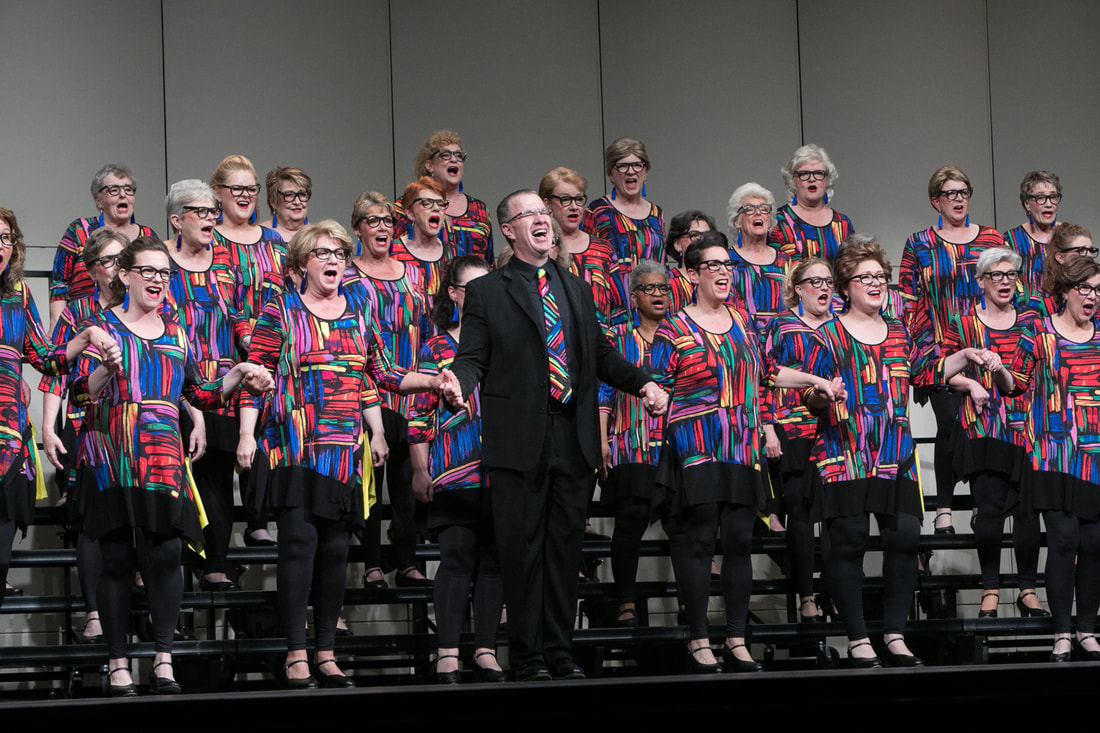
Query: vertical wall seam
x=599 y=82
x=164 y=93
x=798 y=79
x=989 y=98
x=393 y=102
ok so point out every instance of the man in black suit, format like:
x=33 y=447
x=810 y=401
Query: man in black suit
x=540 y=427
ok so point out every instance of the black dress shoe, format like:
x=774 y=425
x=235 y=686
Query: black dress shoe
x=379 y=584
x=250 y=541
x=307 y=683
x=988 y=614
x=697 y=667
x=900 y=660
x=733 y=664
x=334 y=681
x=566 y=669
x=163 y=685
x=1063 y=656
x=218 y=586
x=11 y=592
x=863 y=662
x=533 y=673
x=1082 y=653
x=1027 y=611
x=487 y=674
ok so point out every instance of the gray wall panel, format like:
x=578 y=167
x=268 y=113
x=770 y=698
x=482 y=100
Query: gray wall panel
x=518 y=81
x=77 y=93
x=710 y=88
x=894 y=91
x=1044 y=73
x=283 y=83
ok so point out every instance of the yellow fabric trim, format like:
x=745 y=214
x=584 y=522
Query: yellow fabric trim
x=370 y=496
x=195 y=545
x=39 y=477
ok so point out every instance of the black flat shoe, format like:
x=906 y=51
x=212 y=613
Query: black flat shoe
x=218 y=586
x=900 y=660
x=566 y=669
x=863 y=662
x=949 y=529
x=12 y=592
x=817 y=618
x=1027 y=611
x=533 y=673
x=332 y=681
x=402 y=580
x=989 y=614
x=250 y=541
x=697 y=667
x=379 y=584
x=163 y=685
x=486 y=674
x=1065 y=656
x=733 y=664
x=127 y=690
x=1083 y=654
x=307 y=683
x=446 y=678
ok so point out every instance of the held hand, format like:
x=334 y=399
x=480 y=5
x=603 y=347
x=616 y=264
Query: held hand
x=105 y=345
x=379 y=449
x=255 y=378
x=833 y=390
x=447 y=384
x=54 y=449
x=654 y=399
x=246 y=450
x=991 y=360
x=980 y=396
x=422 y=487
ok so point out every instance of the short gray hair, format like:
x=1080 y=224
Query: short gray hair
x=111 y=169
x=995 y=256
x=184 y=193
x=742 y=192
x=800 y=156
x=646 y=267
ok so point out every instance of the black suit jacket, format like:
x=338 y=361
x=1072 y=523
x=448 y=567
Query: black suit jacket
x=503 y=349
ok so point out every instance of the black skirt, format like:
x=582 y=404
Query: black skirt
x=628 y=481
x=104 y=510
x=678 y=488
x=459 y=507
x=871 y=495
x=1055 y=491
x=16 y=491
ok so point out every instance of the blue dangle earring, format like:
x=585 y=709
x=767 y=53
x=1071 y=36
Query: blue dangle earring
x=826 y=197
x=179 y=241
x=830 y=306
x=252 y=219
x=460 y=186
x=643 y=190
x=454 y=311
x=968 y=220
x=939 y=222
x=738 y=238
x=126 y=301
x=794 y=200
x=800 y=311
x=305 y=221
x=981 y=299
x=274 y=221
x=358 y=246
x=101 y=218
x=694 y=294
x=340 y=288
x=132 y=219
x=302 y=287
x=612 y=198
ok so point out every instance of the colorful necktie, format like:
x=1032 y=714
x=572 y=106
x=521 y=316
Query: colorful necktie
x=560 y=388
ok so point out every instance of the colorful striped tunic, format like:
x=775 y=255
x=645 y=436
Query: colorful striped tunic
x=205 y=304
x=635 y=436
x=596 y=266
x=938 y=280
x=260 y=270
x=129 y=453
x=469 y=233
x=1033 y=254
x=22 y=338
x=323 y=370
x=798 y=240
x=631 y=240
x=430 y=273
x=787 y=339
x=1065 y=417
x=77 y=311
x=400 y=314
x=455 y=437
x=69 y=279
x=759 y=288
x=867 y=437
x=714 y=381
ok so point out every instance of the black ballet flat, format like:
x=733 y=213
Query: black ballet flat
x=332 y=681
x=900 y=660
x=1083 y=654
x=989 y=614
x=379 y=584
x=307 y=683
x=446 y=678
x=127 y=690
x=250 y=541
x=1027 y=611
x=487 y=674
x=163 y=685
x=402 y=580
x=949 y=529
x=697 y=667
x=861 y=662
x=817 y=618
x=218 y=586
x=1061 y=657
x=733 y=664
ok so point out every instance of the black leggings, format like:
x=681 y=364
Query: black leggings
x=466 y=551
x=214 y=479
x=1073 y=559
x=397 y=473
x=7 y=539
x=691 y=536
x=945 y=405
x=844 y=564
x=160 y=570
x=800 y=530
x=991 y=494
x=313 y=554
x=89 y=568
x=631 y=519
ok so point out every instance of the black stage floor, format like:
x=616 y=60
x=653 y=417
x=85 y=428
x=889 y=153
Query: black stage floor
x=929 y=695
